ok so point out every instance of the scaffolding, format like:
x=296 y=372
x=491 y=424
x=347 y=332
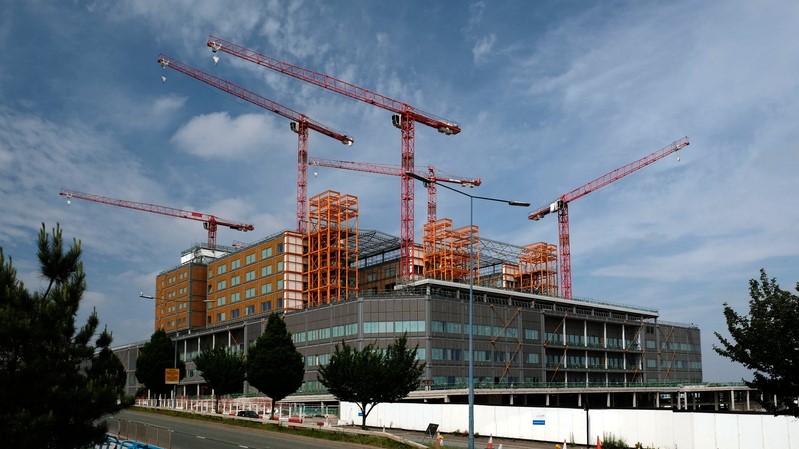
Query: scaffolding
x=539 y=269
x=332 y=248
x=448 y=251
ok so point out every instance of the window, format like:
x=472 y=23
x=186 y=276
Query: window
x=249 y=276
x=221 y=285
x=235 y=264
x=280 y=303
x=280 y=266
x=280 y=248
x=222 y=269
x=267 y=252
x=234 y=313
x=391 y=272
x=235 y=297
x=249 y=259
x=280 y=284
x=532 y=358
x=235 y=281
x=220 y=301
x=531 y=334
x=249 y=310
x=267 y=270
x=220 y=317
x=371 y=277
x=266 y=305
x=266 y=288
x=249 y=293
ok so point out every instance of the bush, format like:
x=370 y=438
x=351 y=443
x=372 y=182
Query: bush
x=609 y=441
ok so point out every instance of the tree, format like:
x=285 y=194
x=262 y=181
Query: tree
x=371 y=376
x=223 y=370
x=155 y=357
x=55 y=385
x=767 y=342
x=273 y=364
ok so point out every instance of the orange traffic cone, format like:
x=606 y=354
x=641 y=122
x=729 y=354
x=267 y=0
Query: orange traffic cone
x=490 y=442
x=598 y=443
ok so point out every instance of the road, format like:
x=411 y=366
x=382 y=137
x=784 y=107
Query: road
x=195 y=434
x=191 y=434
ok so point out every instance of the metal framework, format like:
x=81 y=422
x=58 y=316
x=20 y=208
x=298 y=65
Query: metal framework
x=300 y=124
x=332 y=248
x=210 y=222
x=405 y=117
x=538 y=269
x=561 y=206
x=446 y=251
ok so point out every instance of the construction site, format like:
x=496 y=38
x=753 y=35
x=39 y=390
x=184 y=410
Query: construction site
x=334 y=281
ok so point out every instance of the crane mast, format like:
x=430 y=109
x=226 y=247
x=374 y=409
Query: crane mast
x=405 y=116
x=394 y=170
x=300 y=124
x=210 y=222
x=561 y=206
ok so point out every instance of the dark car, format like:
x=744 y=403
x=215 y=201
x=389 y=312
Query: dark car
x=248 y=414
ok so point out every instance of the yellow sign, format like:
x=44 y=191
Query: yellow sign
x=172 y=376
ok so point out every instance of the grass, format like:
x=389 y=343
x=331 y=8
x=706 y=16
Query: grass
x=369 y=440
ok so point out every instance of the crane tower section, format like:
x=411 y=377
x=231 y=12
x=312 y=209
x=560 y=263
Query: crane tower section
x=300 y=124
x=561 y=206
x=210 y=222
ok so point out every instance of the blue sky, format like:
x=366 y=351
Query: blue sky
x=550 y=95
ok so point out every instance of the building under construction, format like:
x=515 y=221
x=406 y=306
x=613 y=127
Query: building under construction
x=341 y=283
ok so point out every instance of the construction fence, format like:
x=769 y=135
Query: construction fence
x=663 y=429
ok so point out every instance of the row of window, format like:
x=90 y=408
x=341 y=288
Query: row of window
x=675 y=346
x=248 y=310
x=590 y=341
x=248 y=259
x=674 y=364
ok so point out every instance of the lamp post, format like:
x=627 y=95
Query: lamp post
x=470 y=379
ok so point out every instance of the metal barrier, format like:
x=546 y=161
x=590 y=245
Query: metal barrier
x=146 y=435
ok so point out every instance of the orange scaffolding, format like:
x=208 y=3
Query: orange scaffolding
x=446 y=251
x=332 y=248
x=539 y=269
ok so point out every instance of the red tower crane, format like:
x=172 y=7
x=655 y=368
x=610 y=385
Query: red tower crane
x=561 y=206
x=395 y=170
x=210 y=222
x=300 y=124
x=405 y=117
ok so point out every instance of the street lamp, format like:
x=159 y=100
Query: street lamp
x=470 y=379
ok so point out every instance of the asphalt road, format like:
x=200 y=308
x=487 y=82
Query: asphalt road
x=194 y=434
x=191 y=434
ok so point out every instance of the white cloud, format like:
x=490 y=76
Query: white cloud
x=482 y=49
x=218 y=136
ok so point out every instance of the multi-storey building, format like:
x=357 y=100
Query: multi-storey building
x=338 y=283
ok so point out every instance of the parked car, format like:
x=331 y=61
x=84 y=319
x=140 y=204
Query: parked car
x=248 y=414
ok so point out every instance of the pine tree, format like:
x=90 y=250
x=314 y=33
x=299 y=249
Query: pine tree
x=55 y=386
x=273 y=364
x=767 y=342
x=223 y=370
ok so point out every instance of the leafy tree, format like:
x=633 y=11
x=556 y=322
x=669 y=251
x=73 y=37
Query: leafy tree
x=223 y=370
x=155 y=357
x=767 y=342
x=55 y=385
x=371 y=376
x=273 y=364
